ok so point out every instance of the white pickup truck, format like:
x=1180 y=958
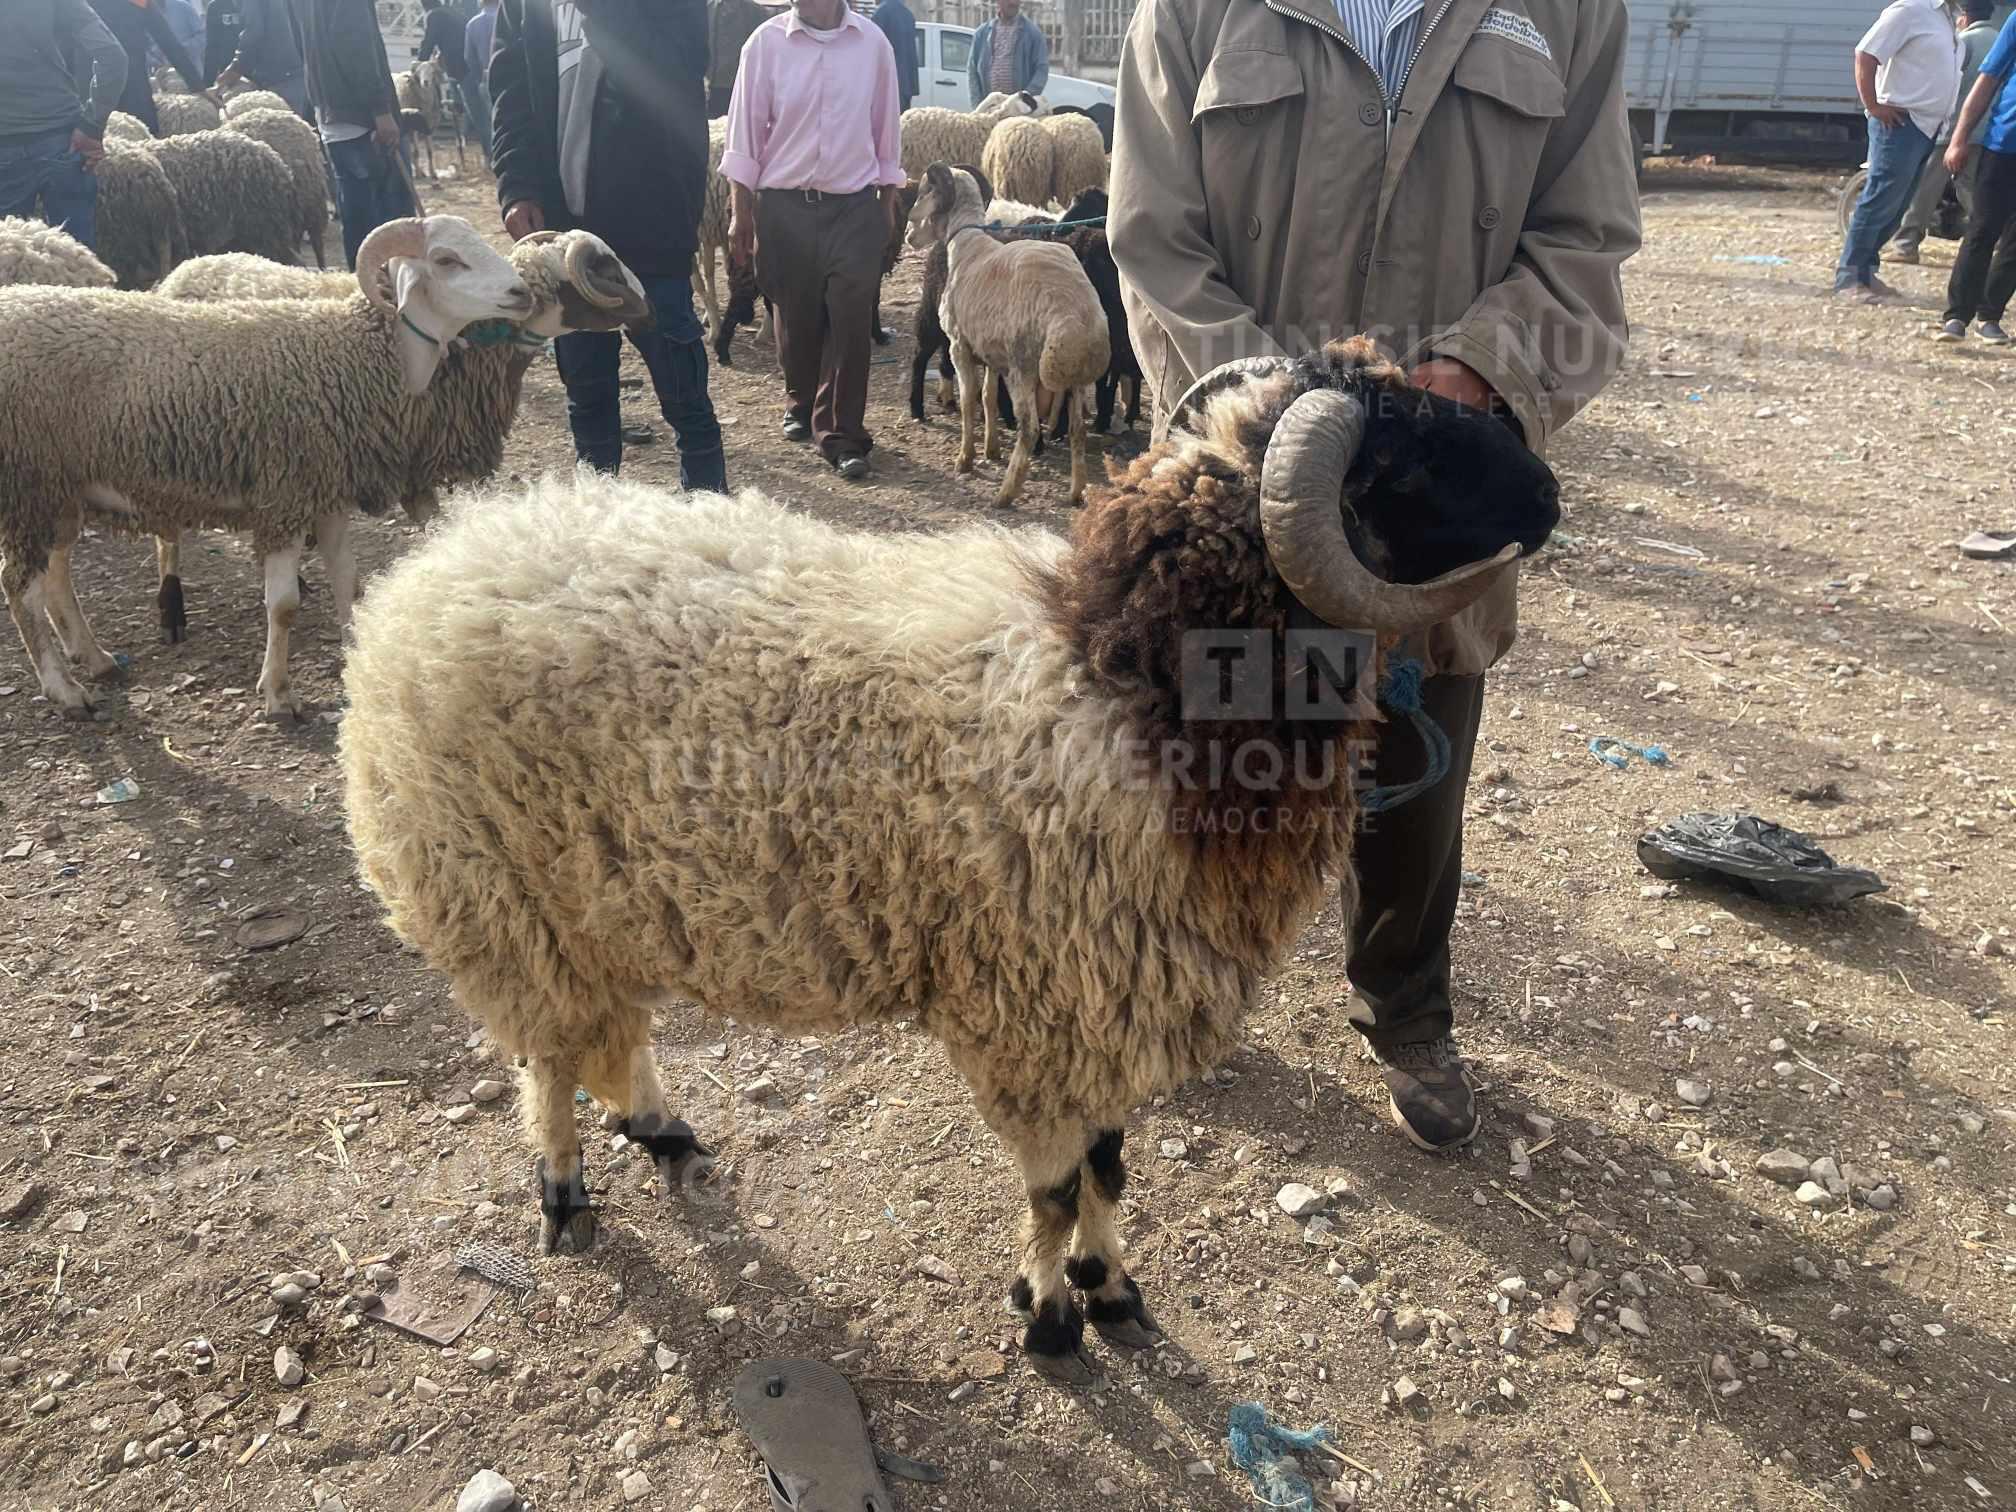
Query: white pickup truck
x=943 y=53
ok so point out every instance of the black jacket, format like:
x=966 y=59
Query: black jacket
x=135 y=27
x=348 y=77
x=221 y=25
x=443 y=38
x=647 y=171
x=269 y=41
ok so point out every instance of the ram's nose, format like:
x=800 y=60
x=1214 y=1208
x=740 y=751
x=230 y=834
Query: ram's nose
x=518 y=300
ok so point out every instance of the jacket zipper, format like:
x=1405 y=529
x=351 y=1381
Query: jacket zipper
x=1393 y=115
x=1391 y=103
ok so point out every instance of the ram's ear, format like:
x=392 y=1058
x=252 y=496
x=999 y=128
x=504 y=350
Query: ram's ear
x=419 y=331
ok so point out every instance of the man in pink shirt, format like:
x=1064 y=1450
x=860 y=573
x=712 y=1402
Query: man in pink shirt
x=815 y=160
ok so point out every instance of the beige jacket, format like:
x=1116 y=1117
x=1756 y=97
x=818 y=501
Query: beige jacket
x=1265 y=199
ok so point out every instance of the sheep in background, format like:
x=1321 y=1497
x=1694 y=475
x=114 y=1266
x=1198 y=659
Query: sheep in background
x=713 y=228
x=300 y=148
x=1020 y=158
x=121 y=127
x=180 y=115
x=248 y=100
x=1078 y=157
x=236 y=195
x=32 y=252
x=419 y=90
x=1020 y=310
x=273 y=417
x=1100 y=115
x=140 y=232
x=607 y=746
x=240 y=275
x=935 y=134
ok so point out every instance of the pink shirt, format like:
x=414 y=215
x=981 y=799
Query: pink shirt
x=815 y=110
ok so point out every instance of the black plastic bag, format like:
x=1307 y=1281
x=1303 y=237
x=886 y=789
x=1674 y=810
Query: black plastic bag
x=1777 y=864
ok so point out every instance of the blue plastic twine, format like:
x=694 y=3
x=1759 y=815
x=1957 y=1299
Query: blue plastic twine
x=1618 y=753
x=1400 y=693
x=1265 y=1450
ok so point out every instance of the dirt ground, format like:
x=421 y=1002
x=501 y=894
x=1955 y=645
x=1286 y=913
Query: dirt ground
x=1756 y=571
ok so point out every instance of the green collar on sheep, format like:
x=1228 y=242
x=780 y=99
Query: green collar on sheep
x=484 y=333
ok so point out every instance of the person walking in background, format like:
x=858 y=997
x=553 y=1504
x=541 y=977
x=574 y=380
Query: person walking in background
x=1009 y=53
x=51 y=136
x=900 y=27
x=730 y=23
x=269 y=52
x=1984 y=270
x=1977 y=35
x=139 y=25
x=478 y=38
x=441 y=40
x=815 y=162
x=356 y=110
x=186 y=22
x=600 y=120
x=221 y=24
x=1275 y=188
x=1907 y=72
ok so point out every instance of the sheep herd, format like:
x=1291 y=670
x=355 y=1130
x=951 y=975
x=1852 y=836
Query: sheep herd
x=606 y=746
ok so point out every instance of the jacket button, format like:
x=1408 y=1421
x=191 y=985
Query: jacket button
x=1364 y=262
x=1252 y=228
x=1489 y=217
x=1370 y=114
x=1246 y=115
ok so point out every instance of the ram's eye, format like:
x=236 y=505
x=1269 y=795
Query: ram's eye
x=448 y=261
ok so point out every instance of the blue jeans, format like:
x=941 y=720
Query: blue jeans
x=43 y=168
x=476 y=111
x=675 y=354
x=1897 y=156
x=369 y=190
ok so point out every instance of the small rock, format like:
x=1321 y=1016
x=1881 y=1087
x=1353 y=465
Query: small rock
x=1508 y=1340
x=1882 y=1198
x=1694 y=1093
x=1786 y=1167
x=287 y=1367
x=1408 y=1325
x=1174 y=1149
x=1631 y=1284
x=1633 y=1321
x=1514 y=1287
x=936 y=1269
x=636 y=1486
x=1406 y=1393
x=291 y=1412
x=425 y=1388
x=665 y=1360
x=287 y=1294
x=1814 y=1195
x=759 y=1090
x=461 y=1113
x=1298 y=1200
x=1245 y=1354
x=964 y=1391
x=1539 y=1126
x=1824 y=1170
x=486 y=1091
x=226 y=1144
x=1507 y=1390
x=45 y=1403
x=1199 y=1470
x=721 y=1316
x=1694 y=1275
x=133 y=1454
x=1923 y=1437
x=487 y=1491
x=1971 y=1123
x=1722 y=1368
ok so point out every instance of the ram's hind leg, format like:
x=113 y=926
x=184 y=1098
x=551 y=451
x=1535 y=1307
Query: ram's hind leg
x=566 y=1221
x=283 y=603
x=1113 y=1301
x=168 y=603
x=68 y=617
x=626 y=1082
x=28 y=601
x=1054 y=1339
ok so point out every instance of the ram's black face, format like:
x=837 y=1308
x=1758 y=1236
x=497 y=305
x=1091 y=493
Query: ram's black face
x=1438 y=485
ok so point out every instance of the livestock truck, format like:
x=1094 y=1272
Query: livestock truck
x=1766 y=79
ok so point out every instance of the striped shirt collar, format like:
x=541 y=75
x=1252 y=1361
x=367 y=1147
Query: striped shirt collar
x=1386 y=33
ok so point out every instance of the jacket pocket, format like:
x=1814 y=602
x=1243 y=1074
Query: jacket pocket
x=1516 y=77
x=1244 y=83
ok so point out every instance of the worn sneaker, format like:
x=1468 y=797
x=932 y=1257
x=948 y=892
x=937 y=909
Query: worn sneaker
x=1952 y=330
x=1993 y=334
x=796 y=429
x=1901 y=253
x=854 y=467
x=1430 y=1098
x=1881 y=289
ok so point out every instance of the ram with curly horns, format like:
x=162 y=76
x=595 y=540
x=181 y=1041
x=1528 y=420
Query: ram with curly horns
x=606 y=747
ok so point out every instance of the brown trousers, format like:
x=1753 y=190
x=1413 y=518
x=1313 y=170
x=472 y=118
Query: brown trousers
x=819 y=263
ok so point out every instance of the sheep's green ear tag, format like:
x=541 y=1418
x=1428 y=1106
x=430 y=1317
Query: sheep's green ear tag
x=804 y=1420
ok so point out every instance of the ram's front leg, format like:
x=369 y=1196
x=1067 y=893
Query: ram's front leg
x=72 y=629
x=28 y=602
x=1054 y=1339
x=168 y=596
x=566 y=1221
x=1113 y=1300
x=283 y=603
x=967 y=366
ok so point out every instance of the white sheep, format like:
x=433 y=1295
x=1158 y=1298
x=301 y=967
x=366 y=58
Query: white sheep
x=1078 y=156
x=248 y=100
x=235 y=194
x=32 y=252
x=241 y=275
x=121 y=127
x=273 y=417
x=420 y=92
x=1022 y=311
x=1021 y=160
x=181 y=114
x=936 y=134
x=140 y=231
x=608 y=747
x=300 y=148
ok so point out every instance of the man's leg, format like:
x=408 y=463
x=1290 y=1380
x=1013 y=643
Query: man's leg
x=675 y=352
x=476 y=108
x=2001 y=283
x=590 y=363
x=787 y=242
x=1410 y=871
x=1924 y=205
x=852 y=240
x=20 y=178
x=1990 y=216
x=356 y=205
x=1896 y=153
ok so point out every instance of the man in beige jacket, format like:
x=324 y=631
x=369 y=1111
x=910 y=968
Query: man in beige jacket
x=1456 y=179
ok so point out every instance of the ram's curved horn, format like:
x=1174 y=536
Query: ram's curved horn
x=1239 y=370
x=1301 y=516
x=578 y=274
x=537 y=238
x=397 y=238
